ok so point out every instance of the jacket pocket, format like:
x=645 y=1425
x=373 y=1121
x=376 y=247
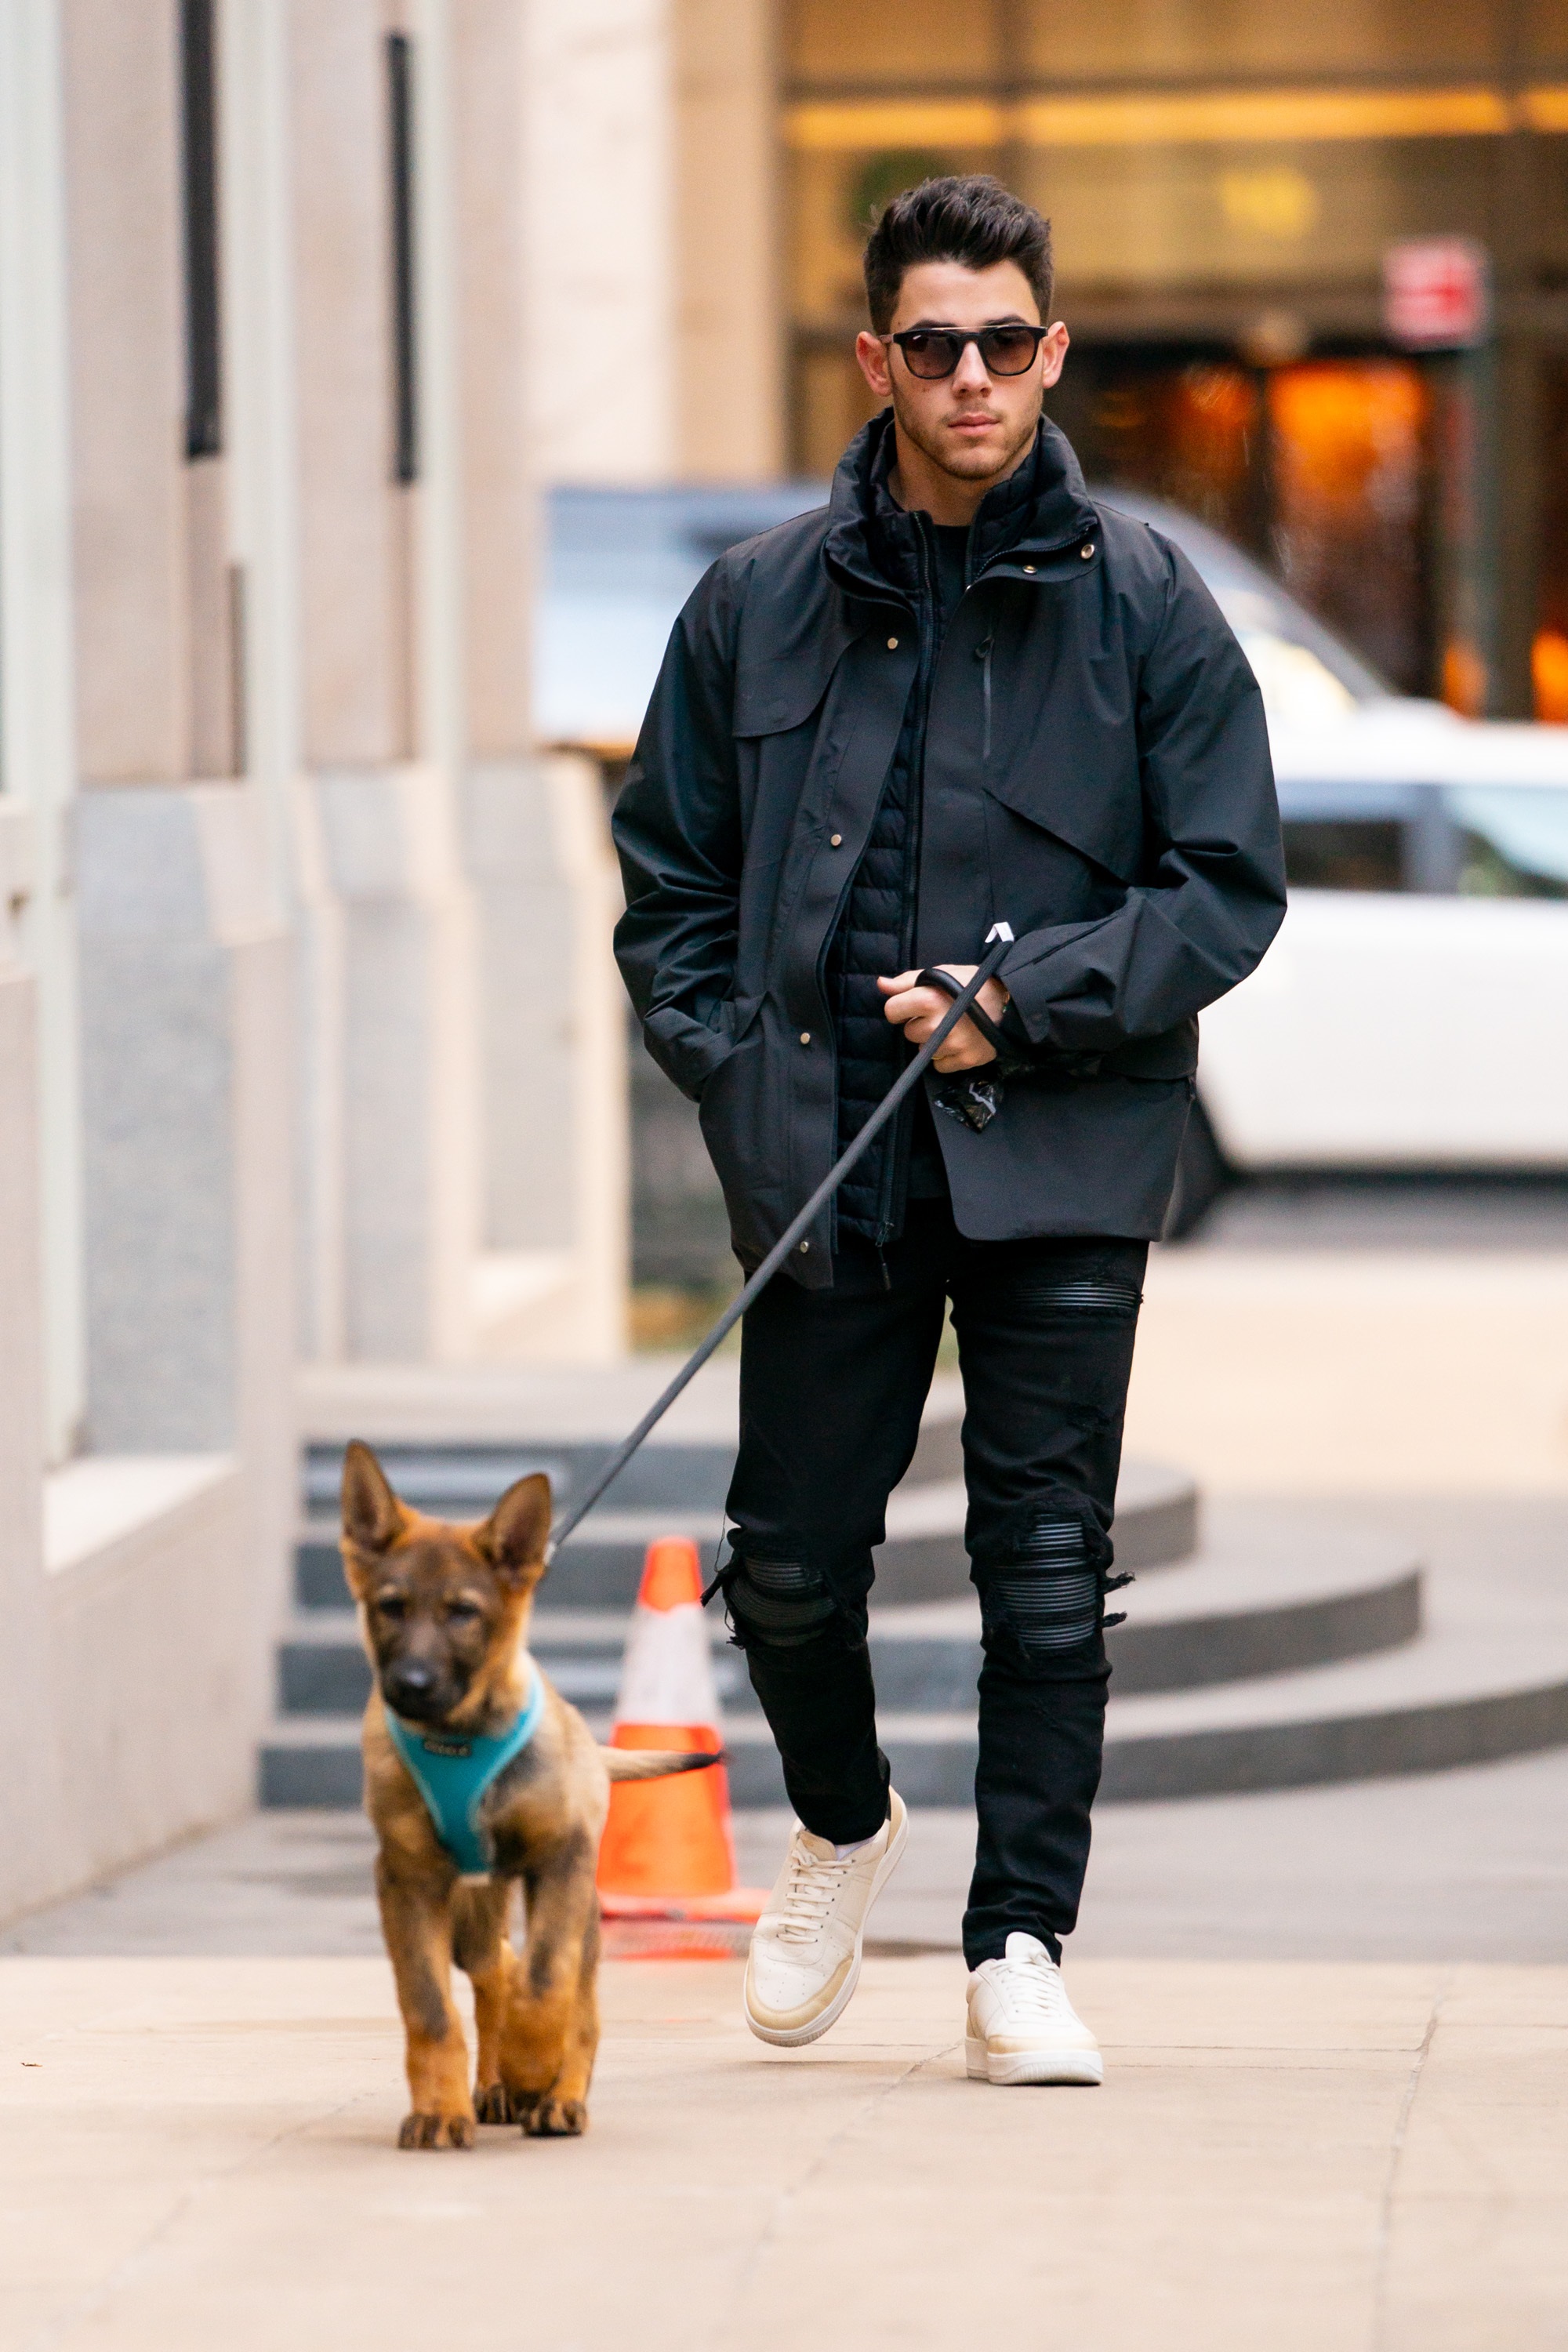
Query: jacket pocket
x=740 y=1016
x=737 y=1114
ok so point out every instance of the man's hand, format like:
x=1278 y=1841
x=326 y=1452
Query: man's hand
x=918 y=1011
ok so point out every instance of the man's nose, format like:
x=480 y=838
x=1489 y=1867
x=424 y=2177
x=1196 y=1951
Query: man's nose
x=970 y=375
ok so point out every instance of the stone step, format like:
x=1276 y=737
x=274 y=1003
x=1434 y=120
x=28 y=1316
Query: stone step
x=1450 y=1697
x=1457 y=1695
x=675 y=1484
x=1273 y=1659
x=1263 y=1596
x=461 y=1482
x=922 y=1559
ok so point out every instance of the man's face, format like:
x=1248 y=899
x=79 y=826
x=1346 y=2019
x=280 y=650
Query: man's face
x=972 y=424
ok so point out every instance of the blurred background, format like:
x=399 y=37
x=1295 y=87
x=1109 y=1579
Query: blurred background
x=376 y=379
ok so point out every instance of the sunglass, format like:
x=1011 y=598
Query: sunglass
x=932 y=352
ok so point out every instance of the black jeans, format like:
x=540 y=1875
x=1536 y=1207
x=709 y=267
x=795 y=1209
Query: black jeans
x=832 y=1387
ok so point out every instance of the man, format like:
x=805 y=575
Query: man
x=961 y=694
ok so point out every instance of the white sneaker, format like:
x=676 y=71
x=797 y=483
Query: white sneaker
x=805 y=1961
x=1022 y=2026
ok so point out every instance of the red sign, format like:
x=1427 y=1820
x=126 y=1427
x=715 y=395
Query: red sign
x=1437 y=292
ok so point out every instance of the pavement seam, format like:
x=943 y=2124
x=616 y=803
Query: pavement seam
x=783 y=2198
x=1379 y=2313
x=97 y=2298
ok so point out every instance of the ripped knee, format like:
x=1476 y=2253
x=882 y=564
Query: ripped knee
x=777 y=1605
x=1042 y=1594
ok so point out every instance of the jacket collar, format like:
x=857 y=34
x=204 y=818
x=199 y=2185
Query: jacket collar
x=873 y=544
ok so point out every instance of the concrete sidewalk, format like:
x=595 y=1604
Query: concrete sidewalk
x=199 y=2153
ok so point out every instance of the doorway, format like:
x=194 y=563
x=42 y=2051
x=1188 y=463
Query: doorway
x=1322 y=468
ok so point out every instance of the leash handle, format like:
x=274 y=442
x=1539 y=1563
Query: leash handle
x=998 y=940
x=935 y=977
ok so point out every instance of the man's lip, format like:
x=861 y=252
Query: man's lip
x=974 y=423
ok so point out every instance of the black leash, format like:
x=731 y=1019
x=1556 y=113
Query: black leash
x=999 y=938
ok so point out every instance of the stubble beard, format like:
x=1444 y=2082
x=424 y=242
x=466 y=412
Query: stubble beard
x=954 y=460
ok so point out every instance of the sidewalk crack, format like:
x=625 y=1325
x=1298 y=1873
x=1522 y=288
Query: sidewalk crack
x=772 y=2229
x=52 y=2332
x=1395 y=2155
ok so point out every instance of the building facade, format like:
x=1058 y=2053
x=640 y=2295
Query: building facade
x=310 y=1046
x=1225 y=182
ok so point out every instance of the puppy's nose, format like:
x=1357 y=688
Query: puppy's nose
x=409 y=1682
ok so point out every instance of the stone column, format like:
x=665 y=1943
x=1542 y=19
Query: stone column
x=553 y=1269
x=728 y=293
x=598 y=76
x=38 y=749
x=185 y=996
x=390 y=1144
x=26 y=1741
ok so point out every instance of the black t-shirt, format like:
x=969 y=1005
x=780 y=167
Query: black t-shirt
x=952 y=561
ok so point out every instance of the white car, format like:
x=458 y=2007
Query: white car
x=1412 y=1013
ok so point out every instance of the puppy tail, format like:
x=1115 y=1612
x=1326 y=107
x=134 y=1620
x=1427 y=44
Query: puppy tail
x=656 y=1763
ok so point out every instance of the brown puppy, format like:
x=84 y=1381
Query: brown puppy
x=444 y=1612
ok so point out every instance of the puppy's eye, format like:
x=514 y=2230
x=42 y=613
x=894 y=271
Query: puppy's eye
x=462 y=1613
x=392 y=1606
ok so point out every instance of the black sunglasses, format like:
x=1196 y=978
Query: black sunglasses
x=932 y=352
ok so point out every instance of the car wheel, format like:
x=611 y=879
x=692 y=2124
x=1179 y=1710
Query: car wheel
x=1202 y=1174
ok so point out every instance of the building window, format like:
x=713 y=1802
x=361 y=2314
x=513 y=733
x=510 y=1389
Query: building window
x=405 y=386
x=198 y=90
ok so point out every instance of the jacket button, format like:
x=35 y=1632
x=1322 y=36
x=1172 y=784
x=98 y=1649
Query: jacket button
x=1087 y=549
x=805 y=1036
x=1030 y=570
x=804 y=1247
x=893 y=645
x=835 y=841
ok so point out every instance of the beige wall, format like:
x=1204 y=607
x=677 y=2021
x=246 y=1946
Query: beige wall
x=354 y=523
x=651 y=253
x=495 y=358
x=729 y=301
x=23 y=1768
x=127 y=340
x=601 y=259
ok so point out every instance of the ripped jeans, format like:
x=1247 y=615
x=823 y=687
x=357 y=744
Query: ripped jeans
x=832 y=1387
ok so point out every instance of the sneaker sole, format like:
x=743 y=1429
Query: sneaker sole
x=796 y=2037
x=1008 y=2068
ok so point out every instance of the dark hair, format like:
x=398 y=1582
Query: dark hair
x=973 y=220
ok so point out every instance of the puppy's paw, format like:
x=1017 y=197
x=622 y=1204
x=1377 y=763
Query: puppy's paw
x=436 y=2131
x=494 y=2104
x=550 y=2118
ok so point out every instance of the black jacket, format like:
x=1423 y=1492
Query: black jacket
x=1096 y=774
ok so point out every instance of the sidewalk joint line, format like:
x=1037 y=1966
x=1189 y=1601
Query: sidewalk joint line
x=1395 y=2153
x=787 y=2196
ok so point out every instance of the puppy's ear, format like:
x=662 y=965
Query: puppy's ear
x=373 y=1517
x=514 y=1535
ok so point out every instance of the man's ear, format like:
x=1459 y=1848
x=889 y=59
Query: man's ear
x=374 y=1518
x=514 y=1535
x=872 y=354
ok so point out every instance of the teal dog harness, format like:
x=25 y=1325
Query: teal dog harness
x=452 y=1770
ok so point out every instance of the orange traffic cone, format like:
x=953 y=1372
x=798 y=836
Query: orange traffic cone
x=667 y=1863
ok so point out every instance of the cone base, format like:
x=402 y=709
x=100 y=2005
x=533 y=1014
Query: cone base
x=742 y=1904
x=676 y=1940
